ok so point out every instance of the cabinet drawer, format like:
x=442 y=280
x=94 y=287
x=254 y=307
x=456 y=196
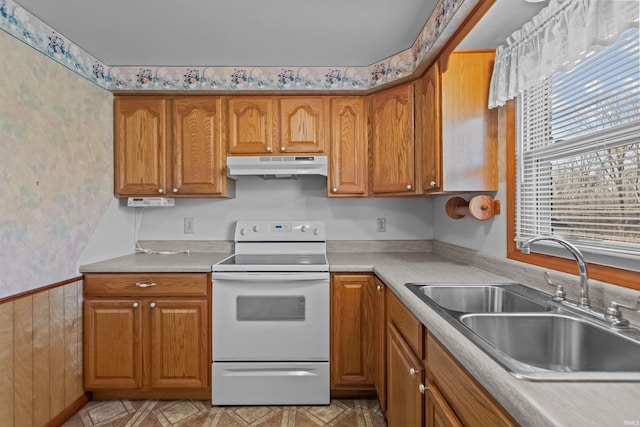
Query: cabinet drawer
x=409 y=327
x=471 y=403
x=143 y=284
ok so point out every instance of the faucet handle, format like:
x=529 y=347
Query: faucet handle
x=559 y=294
x=615 y=315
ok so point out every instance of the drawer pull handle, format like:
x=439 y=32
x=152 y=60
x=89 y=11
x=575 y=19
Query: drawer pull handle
x=135 y=305
x=422 y=388
x=379 y=287
x=412 y=372
x=152 y=305
x=145 y=285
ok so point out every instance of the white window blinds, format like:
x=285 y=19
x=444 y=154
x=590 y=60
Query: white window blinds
x=578 y=166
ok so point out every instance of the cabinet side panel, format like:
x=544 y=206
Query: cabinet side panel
x=469 y=128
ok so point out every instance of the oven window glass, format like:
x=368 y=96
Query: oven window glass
x=266 y=308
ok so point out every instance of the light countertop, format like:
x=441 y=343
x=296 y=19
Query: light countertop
x=150 y=263
x=561 y=404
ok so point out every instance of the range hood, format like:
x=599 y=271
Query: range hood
x=276 y=166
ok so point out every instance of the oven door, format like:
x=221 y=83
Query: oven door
x=270 y=316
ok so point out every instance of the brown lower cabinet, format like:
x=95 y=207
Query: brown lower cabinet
x=426 y=386
x=454 y=397
x=147 y=335
x=405 y=374
x=357 y=336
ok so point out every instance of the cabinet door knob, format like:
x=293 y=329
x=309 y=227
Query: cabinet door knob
x=409 y=187
x=422 y=388
x=433 y=183
x=135 y=305
x=269 y=149
x=334 y=190
x=175 y=190
x=412 y=372
x=379 y=287
x=160 y=190
x=283 y=148
x=152 y=305
x=145 y=285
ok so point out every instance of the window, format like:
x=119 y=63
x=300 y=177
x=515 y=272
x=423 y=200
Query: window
x=578 y=158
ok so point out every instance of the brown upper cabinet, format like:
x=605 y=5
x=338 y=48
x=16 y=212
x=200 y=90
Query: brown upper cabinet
x=392 y=142
x=303 y=123
x=456 y=134
x=348 y=161
x=251 y=126
x=169 y=147
x=140 y=144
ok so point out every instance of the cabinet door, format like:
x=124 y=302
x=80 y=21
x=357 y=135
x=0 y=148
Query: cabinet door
x=352 y=339
x=438 y=412
x=469 y=128
x=348 y=160
x=472 y=404
x=112 y=344
x=379 y=342
x=428 y=129
x=302 y=124
x=180 y=355
x=250 y=125
x=404 y=376
x=393 y=157
x=198 y=161
x=140 y=146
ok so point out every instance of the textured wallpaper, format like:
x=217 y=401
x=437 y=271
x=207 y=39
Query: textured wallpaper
x=56 y=166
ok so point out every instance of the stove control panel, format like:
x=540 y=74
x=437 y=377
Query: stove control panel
x=275 y=230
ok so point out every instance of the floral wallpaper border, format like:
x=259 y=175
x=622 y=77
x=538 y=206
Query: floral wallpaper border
x=444 y=20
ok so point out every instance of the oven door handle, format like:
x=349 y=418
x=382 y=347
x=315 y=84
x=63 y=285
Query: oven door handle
x=269 y=277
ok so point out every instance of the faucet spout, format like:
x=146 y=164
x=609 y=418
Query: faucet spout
x=577 y=255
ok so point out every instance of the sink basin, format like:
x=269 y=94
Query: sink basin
x=477 y=298
x=558 y=343
x=534 y=337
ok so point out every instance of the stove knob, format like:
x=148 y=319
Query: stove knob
x=304 y=228
x=243 y=231
x=316 y=231
x=256 y=228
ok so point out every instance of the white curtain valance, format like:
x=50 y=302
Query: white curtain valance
x=556 y=40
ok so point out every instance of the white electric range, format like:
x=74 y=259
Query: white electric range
x=270 y=305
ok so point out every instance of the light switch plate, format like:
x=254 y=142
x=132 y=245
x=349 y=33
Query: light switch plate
x=382 y=225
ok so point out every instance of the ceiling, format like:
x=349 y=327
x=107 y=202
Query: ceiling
x=257 y=32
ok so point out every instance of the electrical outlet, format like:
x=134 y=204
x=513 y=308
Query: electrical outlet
x=382 y=225
x=189 y=225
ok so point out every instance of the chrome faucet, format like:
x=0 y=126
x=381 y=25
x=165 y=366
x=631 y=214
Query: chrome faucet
x=582 y=265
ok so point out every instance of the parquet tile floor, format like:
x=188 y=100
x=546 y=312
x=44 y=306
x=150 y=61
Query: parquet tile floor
x=200 y=413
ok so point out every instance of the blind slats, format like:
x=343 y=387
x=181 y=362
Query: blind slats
x=579 y=154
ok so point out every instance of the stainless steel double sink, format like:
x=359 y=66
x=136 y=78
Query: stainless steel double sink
x=534 y=337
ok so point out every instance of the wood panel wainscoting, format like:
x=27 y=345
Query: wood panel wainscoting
x=41 y=355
